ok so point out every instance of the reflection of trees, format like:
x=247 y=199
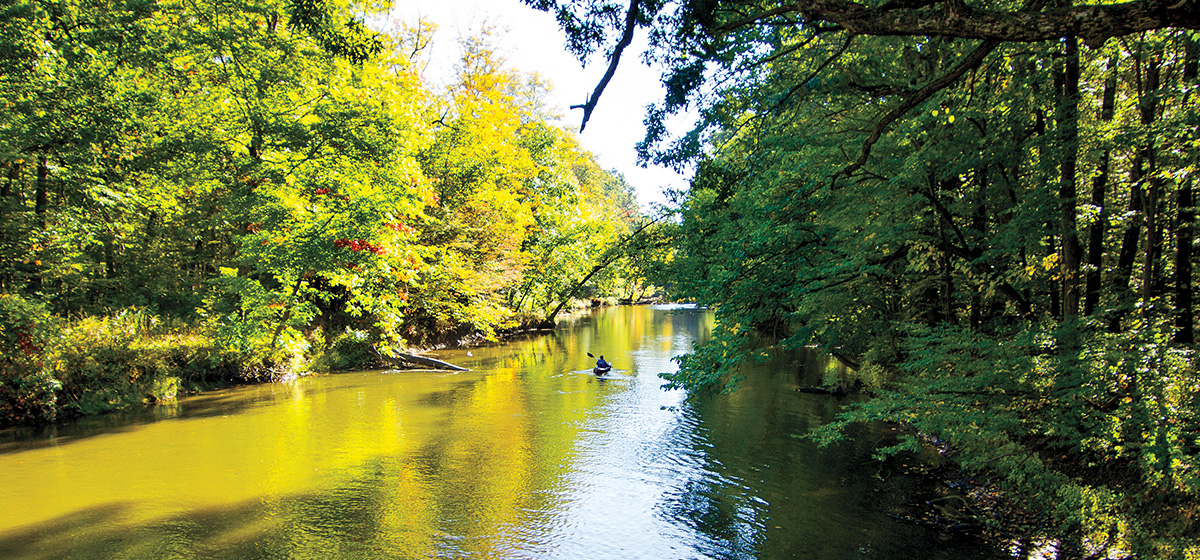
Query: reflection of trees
x=408 y=465
x=477 y=464
x=715 y=509
x=750 y=489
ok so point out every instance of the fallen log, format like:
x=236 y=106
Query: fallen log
x=429 y=362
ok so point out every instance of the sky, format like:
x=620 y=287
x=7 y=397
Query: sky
x=531 y=42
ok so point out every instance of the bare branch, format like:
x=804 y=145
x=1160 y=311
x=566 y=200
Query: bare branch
x=613 y=61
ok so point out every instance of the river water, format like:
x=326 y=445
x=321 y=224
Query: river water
x=528 y=455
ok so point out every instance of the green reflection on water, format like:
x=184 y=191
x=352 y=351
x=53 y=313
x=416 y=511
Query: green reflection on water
x=526 y=456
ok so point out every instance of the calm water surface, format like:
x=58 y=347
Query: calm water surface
x=527 y=456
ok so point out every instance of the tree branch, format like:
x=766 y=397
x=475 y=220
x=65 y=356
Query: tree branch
x=1093 y=23
x=610 y=255
x=613 y=61
x=916 y=98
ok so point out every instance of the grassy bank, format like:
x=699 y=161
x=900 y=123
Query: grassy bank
x=53 y=368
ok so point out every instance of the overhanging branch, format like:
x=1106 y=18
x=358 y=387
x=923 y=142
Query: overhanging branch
x=613 y=61
x=1093 y=23
x=916 y=98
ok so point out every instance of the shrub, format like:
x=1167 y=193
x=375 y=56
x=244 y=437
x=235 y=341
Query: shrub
x=350 y=350
x=28 y=391
x=52 y=369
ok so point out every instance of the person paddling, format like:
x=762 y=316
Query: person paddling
x=601 y=364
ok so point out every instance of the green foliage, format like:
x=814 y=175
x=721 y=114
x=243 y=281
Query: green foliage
x=1099 y=441
x=714 y=364
x=273 y=175
x=97 y=364
x=350 y=350
x=1005 y=247
x=28 y=391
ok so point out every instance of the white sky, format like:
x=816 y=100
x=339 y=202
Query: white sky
x=532 y=42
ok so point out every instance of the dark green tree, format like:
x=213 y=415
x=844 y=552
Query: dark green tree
x=906 y=185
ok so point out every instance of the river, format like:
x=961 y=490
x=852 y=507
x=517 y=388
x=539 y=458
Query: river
x=528 y=455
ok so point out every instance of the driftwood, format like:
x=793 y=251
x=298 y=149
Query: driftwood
x=429 y=362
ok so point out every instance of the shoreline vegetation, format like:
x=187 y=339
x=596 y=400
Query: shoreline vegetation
x=96 y=365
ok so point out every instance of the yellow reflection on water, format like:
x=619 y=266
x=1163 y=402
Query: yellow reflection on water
x=409 y=464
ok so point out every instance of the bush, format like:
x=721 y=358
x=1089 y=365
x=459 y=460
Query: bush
x=28 y=391
x=52 y=369
x=350 y=350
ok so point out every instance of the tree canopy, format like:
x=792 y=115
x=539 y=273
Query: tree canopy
x=281 y=179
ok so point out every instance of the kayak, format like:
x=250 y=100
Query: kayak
x=601 y=370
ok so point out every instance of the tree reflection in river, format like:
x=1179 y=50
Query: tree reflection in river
x=527 y=456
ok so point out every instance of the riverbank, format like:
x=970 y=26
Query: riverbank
x=57 y=369
x=54 y=369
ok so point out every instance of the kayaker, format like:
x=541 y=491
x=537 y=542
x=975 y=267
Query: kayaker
x=601 y=364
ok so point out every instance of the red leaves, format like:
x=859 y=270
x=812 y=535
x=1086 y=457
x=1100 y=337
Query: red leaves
x=25 y=342
x=328 y=192
x=401 y=228
x=360 y=245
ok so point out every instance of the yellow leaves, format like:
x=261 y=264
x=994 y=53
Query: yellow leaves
x=310 y=119
x=1050 y=261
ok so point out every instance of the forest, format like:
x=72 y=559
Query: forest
x=986 y=207
x=203 y=193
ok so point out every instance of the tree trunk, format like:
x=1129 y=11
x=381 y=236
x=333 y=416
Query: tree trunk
x=566 y=298
x=428 y=362
x=1099 y=192
x=42 y=192
x=110 y=266
x=41 y=202
x=1137 y=204
x=610 y=255
x=6 y=190
x=1153 y=250
x=1184 y=321
x=1183 y=266
x=1068 y=135
x=979 y=221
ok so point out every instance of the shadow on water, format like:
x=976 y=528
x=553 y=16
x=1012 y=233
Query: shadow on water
x=458 y=391
x=767 y=493
x=214 y=404
x=349 y=521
